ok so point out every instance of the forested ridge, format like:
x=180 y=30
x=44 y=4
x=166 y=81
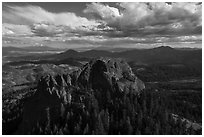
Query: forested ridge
x=104 y=97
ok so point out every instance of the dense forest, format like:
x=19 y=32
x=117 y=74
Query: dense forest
x=119 y=114
x=103 y=97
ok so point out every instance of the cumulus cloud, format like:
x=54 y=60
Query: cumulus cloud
x=34 y=14
x=128 y=19
x=44 y=23
x=105 y=12
x=150 y=17
x=46 y=30
x=135 y=24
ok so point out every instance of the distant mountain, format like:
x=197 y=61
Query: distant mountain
x=41 y=48
x=7 y=50
x=161 y=63
x=67 y=54
x=163 y=55
x=96 y=53
x=20 y=50
x=111 y=49
x=29 y=52
x=151 y=56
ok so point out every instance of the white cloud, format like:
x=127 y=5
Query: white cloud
x=107 y=13
x=134 y=14
x=130 y=19
x=34 y=14
x=138 y=15
x=189 y=38
x=44 y=30
x=16 y=30
x=43 y=23
x=130 y=24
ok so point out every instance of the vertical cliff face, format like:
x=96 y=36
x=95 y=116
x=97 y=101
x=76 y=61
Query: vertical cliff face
x=106 y=72
x=98 y=76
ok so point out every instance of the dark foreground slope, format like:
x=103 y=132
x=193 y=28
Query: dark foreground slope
x=103 y=97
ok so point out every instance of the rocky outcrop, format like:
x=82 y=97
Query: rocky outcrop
x=52 y=93
x=55 y=92
x=105 y=73
x=188 y=124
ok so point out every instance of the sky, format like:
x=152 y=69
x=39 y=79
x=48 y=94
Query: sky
x=111 y=25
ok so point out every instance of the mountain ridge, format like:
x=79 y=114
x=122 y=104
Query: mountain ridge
x=97 y=78
x=160 y=54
